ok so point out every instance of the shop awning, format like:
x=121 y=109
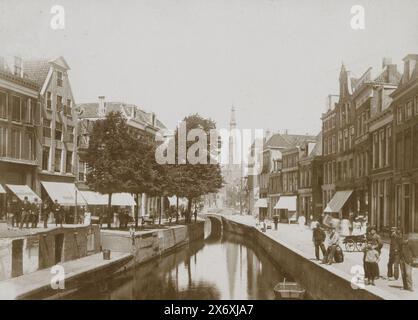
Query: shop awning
x=64 y=193
x=2 y=189
x=94 y=198
x=286 y=202
x=261 y=203
x=338 y=201
x=22 y=191
x=122 y=199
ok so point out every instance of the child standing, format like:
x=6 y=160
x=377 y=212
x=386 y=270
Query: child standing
x=371 y=266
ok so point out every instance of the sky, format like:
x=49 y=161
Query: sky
x=275 y=61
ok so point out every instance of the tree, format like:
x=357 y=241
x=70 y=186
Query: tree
x=194 y=180
x=147 y=176
x=108 y=157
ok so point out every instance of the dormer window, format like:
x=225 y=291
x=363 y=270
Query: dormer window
x=59 y=78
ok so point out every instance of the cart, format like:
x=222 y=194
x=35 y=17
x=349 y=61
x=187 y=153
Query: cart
x=355 y=242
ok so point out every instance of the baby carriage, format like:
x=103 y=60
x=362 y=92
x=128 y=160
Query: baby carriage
x=355 y=243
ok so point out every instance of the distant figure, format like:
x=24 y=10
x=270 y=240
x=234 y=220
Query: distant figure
x=406 y=265
x=195 y=215
x=35 y=213
x=26 y=207
x=81 y=215
x=318 y=238
x=351 y=219
x=45 y=213
x=394 y=254
x=12 y=208
x=58 y=213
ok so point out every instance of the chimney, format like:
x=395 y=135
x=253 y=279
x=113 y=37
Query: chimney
x=153 y=118
x=386 y=62
x=410 y=62
x=102 y=107
x=18 y=66
x=392 y=71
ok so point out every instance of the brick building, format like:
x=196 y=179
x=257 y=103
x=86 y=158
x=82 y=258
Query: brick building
x=19 y=132
x=310 y=179
x=405 y=135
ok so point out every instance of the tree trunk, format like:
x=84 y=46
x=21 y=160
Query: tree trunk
x=161 y=211
x=136 y=211
x=189 y=210
x=177 y=209
x=109 y=211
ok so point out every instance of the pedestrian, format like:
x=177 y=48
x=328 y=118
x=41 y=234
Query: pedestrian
x=35 y=213
x=17 y=208
x=351 y=219
x=371 y=260
x=376 y=241
x=45 y=213
x=195 y=215
x=58 y=213
x=394 y=254
x=81 y=215
x=406 y=260
x=333 y=243
x=11 y=207
x=25 y=209
x=318 y=238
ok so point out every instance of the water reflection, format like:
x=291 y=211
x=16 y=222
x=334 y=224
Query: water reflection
x=218 y=268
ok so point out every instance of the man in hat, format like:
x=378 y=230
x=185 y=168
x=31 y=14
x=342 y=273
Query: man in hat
x=394 y=254
x=58 y=213
x=318 y=238
x=406 y=260
x=333 y=242
x=26 y=209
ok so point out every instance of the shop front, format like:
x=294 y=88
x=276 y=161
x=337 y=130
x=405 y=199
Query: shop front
x=406 y=204
x=287 y=207
x=262 y=206
x=339 y=206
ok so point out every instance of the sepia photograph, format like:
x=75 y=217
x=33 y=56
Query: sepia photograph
x=224 y=151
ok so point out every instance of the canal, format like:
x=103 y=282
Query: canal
x=219 y=267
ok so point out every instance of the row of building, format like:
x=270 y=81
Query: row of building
x=43 y=134
x=364 y=161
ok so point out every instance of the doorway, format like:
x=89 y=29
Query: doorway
x=59 y=242
x=17 y=258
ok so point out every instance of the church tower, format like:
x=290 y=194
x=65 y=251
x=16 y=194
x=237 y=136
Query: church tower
x=232 y=139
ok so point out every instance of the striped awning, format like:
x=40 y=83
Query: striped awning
x=338 y=201
x=286 y=202
x=261 y=203
x=94 y=198
x=65 y=193
x=22 y=191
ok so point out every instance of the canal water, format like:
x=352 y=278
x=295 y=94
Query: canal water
x=220 y=267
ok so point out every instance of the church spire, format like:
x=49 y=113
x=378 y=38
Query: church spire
x=232 y=120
